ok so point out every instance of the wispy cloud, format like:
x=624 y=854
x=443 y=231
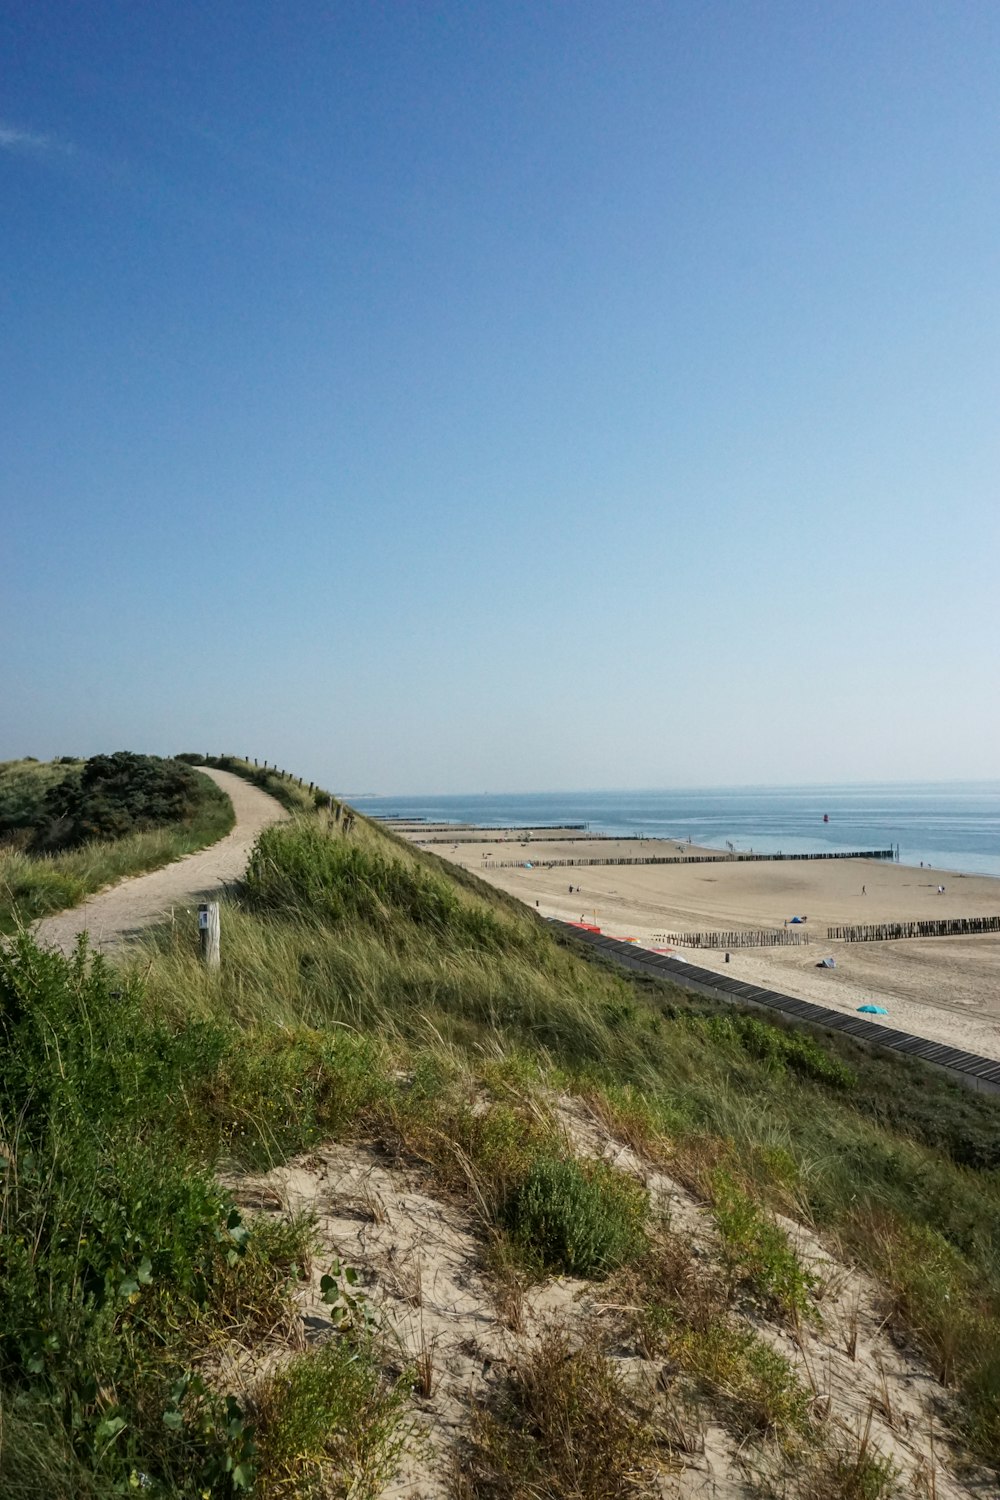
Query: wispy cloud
x=31 y=142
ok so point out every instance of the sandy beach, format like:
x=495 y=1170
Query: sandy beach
x=943 y=988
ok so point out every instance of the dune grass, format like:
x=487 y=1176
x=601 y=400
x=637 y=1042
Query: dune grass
x=292 y=792
x=366 y=992
x=892 y=1161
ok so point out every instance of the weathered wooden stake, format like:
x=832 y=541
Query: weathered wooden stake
x=208 y=932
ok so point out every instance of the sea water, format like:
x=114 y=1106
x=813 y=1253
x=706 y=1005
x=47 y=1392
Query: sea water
x=950 y=826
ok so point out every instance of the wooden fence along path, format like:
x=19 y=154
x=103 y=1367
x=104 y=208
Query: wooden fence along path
x=766 y=937
x=882 y=932
x=679 y=859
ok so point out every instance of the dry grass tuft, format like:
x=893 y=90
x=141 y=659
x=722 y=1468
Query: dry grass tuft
x=564 y=1426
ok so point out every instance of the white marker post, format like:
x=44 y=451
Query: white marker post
x=208 y=932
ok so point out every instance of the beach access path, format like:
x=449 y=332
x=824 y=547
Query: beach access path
x=946 y=989
x=122 y=911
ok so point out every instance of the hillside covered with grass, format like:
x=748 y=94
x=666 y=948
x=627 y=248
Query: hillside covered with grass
x=69 y=827
x=654 y=1168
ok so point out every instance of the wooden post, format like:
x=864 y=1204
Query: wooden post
x=208 y=932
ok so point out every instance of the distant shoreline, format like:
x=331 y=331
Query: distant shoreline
x=956 y=829
x=943 y=987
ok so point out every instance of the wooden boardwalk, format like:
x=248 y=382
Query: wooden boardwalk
x=979 y=1073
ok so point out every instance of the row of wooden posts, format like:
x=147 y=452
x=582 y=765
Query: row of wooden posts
x=678 y=859
x=765 y=937
x=881 y=932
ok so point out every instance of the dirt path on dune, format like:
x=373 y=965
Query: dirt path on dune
x=120 y=911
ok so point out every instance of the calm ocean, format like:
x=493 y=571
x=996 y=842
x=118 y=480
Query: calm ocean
x=954 y=826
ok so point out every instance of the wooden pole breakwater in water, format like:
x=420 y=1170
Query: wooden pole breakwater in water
x=765 y=937
x=679 y=859
x=884 y=932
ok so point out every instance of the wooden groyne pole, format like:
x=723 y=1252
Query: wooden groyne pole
x=885 y=932
x=680 y=859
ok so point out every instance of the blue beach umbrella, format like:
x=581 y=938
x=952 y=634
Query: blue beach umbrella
x=873 y=1010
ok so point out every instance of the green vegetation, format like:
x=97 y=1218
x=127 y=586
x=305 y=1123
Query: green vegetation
x=67 y=828
x=577 y=1220
x=681 y=1311
x=121 y=1259
x=758 y=1254
x=327 y=1423
x=565 y=1427
x=369 y=991
x=289 y=790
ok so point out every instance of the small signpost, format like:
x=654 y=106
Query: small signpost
x=208 y=933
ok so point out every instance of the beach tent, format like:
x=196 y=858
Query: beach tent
x=796 y=919
x=873 y=1010
x=528 y=864
x=827 y=963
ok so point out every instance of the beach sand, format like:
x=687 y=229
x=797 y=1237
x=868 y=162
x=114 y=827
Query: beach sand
x=946 y=989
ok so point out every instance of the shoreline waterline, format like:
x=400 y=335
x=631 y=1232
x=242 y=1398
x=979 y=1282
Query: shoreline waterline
x=950 y=828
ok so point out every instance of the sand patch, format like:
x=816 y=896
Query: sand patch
x=421 y=1263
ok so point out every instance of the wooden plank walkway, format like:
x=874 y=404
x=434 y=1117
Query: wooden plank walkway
x=980 y=1073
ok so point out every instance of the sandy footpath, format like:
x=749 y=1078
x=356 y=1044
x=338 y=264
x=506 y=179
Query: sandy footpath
x=946 y=989
x=120 y=911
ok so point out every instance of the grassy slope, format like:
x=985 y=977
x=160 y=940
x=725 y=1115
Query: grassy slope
x=368 y=989
x=34 y=885
x=290 y=791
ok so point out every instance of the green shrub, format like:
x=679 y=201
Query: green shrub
x=113 y=795
x=759 y=1252
x=781 y=1049
x=276 y=1091
x=580 y=1221
x=327 y=1423
x=119 y=1250
x=756 y=1386
x=65 y=834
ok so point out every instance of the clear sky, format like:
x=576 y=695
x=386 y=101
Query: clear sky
x=439 y=397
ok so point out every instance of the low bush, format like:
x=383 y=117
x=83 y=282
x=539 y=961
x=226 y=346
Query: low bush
x=328 y=1423
x=113 y=795
x=564 y=1427
x=579 y=1220
x=779 y=1048
x=758 y=1253
x=121 y=1257
x=68 y=834
x=757 y=1389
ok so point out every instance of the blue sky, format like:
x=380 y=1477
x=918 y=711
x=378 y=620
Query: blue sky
x=432 y=397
